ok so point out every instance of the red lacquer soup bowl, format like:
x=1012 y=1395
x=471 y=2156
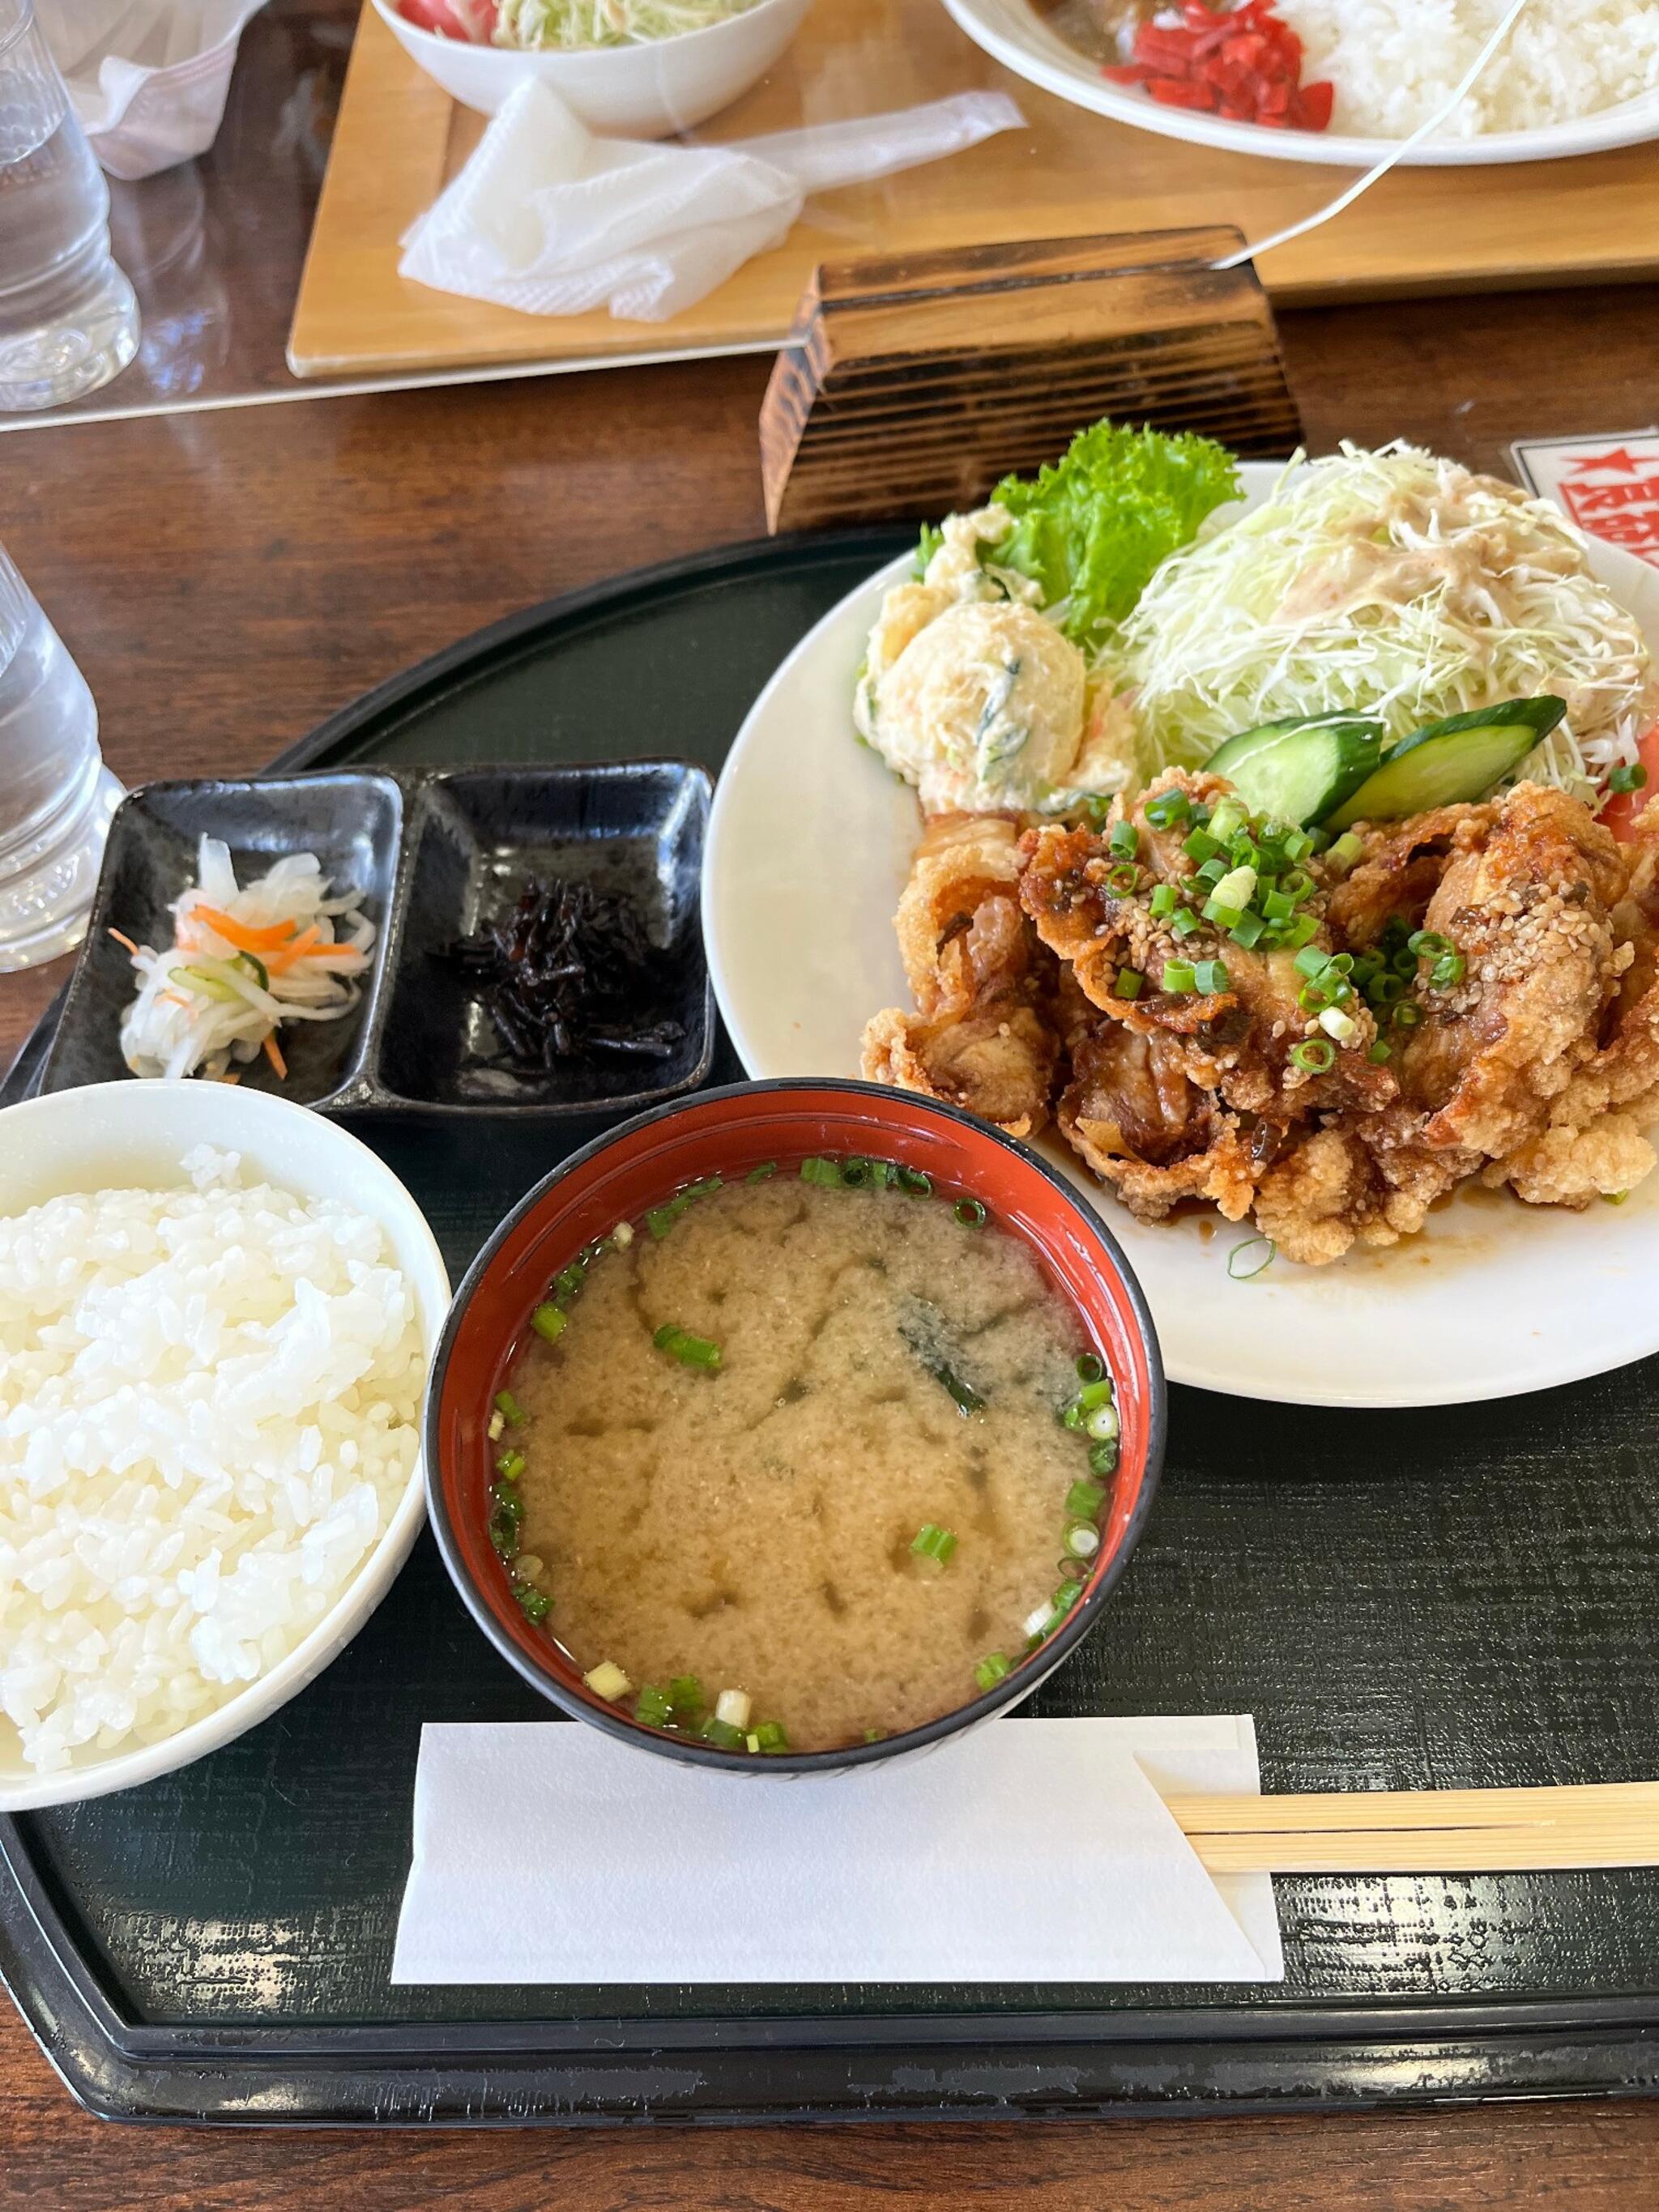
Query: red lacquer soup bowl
x=644 y=1162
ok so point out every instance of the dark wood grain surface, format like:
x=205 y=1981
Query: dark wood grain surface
x=225 y=579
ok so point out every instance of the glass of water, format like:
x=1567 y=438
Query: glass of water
x=69 y=321
x=56 y=795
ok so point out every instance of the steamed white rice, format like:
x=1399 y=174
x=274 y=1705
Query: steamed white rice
x=1394 y=62
x=209 y=1399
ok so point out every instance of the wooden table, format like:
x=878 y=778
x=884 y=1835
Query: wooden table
x=225 y=579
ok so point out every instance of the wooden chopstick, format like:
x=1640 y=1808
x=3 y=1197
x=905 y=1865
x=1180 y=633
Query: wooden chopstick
x=1601 y=1823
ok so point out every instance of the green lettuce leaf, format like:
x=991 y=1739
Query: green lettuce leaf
x=1092 y=527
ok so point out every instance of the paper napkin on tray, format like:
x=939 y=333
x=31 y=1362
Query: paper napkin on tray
x=548 y=219
x=1027 y=1850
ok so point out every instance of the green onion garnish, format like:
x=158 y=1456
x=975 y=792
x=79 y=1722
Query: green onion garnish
x=1211 y=873
x=1128 y=984
x=1614 y=1197
x=1407 y=1015
x=1447 y=971
x=690 y=1351
x=1102 y=1457
x=509 y=1409
x=855 y=1175
x=1223 y=915
x=969 y=1212
x=510 y=1466
x=1124 y=880
x=1627 y=776
x=1427 y=944
x=933 y=1542
x=1184 y=923
x=1084 y=1500
x=686 y=1696
x=915 y=1182
x=760 y=1174
x=1097 y=1393
x=1311 y=961
x=1295 y=884
x=1227 y=818
x=723 y=1733
x=1180 y=975
x=992 y=1668
x=1313 y=998
x=1124 y=843
x=875 y=1735
x=534 y=1604
x=1251 y=1257
x=1210 y=976
x=654 y=1706
x=1296 y=847
x=1163 y=902
x=1317 y=1056
x=1300 y=931
x=1247 y=932
x=769 y=1735
x=1081 y=1541
x=1167 y=808
x=1380 y=1052
x=1201 y=847
x=1091 y=1368
x=824 y=1173
x=549 y=1321
x=1344 y=852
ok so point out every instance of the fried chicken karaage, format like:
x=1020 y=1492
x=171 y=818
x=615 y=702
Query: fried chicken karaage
x=1332 y=1048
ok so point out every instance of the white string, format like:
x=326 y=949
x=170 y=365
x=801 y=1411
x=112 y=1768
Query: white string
x=1382 y=168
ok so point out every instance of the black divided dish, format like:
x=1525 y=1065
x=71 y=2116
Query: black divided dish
x=434 y=855
x=1462 y=1595
x=354 y=824
x=631 y=828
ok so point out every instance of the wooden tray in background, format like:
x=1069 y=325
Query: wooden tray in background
x=399 y=139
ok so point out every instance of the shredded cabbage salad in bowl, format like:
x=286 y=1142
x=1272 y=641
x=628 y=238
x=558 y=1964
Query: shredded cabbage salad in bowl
x=1390 y=583
x=568 y=26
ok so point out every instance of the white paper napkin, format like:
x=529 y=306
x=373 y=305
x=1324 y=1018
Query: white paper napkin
x=1028 y=1851
x=148 y=78
x=549 y=219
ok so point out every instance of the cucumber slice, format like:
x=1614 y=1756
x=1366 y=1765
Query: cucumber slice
x=1300 y=769
x=1450 y=762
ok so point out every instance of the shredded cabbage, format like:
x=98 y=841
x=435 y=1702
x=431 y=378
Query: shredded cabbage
x=576 y=23
x=1395 y=583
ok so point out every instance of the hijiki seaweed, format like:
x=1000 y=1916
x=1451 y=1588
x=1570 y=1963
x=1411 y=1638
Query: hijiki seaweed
x=567 y=972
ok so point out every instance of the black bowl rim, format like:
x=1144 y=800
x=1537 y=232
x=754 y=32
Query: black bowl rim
x=1020 y=1682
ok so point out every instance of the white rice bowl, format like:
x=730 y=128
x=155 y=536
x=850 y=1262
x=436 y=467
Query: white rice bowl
x=216 y=1315
x=1395 y=62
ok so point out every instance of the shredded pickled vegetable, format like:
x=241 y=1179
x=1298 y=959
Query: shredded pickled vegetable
x=543 y=24
x=241 y=964
x=1397 y=584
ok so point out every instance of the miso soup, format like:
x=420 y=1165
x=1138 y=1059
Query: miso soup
x=802 y=1458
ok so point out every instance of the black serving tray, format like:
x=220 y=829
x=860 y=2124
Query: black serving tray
x=433 y=853
x=1468 y=1595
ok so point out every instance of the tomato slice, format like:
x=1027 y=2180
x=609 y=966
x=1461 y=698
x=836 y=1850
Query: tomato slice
x=1622 y=809
x=438 y=16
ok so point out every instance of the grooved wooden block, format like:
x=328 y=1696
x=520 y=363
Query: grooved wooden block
x=912 y=382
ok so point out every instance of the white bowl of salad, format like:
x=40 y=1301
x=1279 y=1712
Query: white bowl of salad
x=635 y=69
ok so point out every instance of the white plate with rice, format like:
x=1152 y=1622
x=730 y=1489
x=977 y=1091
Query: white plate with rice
x=809 y=848
x=1590 y=68
x=217 y=1311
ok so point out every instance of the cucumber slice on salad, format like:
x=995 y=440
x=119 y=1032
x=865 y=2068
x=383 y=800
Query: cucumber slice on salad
x=1300 y=769
x=1450 y=762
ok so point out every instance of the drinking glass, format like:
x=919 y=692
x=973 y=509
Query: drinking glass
x=69 y=321
x=56 y=795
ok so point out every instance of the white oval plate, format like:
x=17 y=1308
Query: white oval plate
x=809 y=848
x=1012 y=34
